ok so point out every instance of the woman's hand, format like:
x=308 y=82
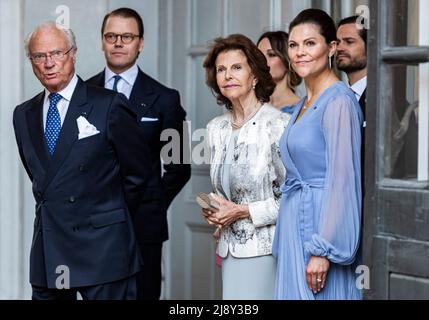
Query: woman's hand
x=228 y=212
x=316 y=273
x=208 y=215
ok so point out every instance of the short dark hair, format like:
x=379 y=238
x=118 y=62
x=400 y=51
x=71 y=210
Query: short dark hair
x=255 y=58
x=125 y=13
x=278 y=41
x=319 y=18
x=353 y=19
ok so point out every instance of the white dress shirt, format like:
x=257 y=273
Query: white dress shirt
x=359 y=87
x=125 y=84
x=63 y=104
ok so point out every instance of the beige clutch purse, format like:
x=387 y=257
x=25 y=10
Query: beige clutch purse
x=207 y=202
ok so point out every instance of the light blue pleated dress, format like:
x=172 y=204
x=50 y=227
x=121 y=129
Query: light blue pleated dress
x=320 y=209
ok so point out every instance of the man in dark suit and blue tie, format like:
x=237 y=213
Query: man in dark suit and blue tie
x=159 y=109
x=88 y=176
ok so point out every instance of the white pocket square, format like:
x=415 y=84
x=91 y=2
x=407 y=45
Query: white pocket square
x=85 y=128
x=148 y=119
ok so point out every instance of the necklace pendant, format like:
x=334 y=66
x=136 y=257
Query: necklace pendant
x=246 y=119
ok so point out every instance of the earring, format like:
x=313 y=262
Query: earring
x=254 y=85
x=330 y=61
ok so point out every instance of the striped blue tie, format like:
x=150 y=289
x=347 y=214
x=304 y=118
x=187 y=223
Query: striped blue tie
x=115 y=84
x=53 y=122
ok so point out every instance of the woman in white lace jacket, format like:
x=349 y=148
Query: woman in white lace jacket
x=246 y=170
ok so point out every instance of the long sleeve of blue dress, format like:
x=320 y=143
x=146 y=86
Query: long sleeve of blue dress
x=338 y=228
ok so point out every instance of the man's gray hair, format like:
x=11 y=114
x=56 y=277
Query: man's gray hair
x=71 y=39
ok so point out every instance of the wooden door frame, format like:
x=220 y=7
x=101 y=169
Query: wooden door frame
x=388 y=245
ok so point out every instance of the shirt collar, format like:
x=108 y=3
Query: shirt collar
x=67 y=92
x=360 y=86
x=129 y=75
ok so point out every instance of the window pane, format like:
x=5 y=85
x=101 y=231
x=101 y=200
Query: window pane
x=403 y=23
x=206 y=26
x=243 y=11
x=401 y=131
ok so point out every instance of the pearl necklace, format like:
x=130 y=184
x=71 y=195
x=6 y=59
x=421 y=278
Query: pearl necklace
x=305 y=107
x=238 y=125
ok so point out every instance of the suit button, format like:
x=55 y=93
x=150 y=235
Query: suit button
x=82 y=168
x=72 y=199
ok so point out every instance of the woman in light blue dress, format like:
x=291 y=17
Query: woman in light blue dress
x=318 y=227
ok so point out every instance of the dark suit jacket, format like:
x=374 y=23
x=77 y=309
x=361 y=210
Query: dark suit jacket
x=362 y=103
x=153 y=100
x=84 y=193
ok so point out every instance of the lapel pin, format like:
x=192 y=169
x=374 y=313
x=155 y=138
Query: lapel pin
x=143 y=104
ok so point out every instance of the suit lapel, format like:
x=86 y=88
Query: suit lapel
x=69 y=131
x=35 y=126
x=99 y=79
x=142 y=95
x=362 y=102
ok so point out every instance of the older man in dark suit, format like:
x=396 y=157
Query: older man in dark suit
x=158 y=109
x=88 y=175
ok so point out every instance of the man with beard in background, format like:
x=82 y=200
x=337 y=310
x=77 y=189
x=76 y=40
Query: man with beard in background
x=351 y=56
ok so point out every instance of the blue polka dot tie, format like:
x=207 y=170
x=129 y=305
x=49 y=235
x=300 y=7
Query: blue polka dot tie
x=53 y=122
x=115 y=84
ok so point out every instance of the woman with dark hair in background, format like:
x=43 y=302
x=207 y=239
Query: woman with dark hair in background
x=317 y=234
x=245 y=169
x=273 y=45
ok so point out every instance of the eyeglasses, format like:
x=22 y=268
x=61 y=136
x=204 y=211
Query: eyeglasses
x=125 y=38
x=55 y=55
